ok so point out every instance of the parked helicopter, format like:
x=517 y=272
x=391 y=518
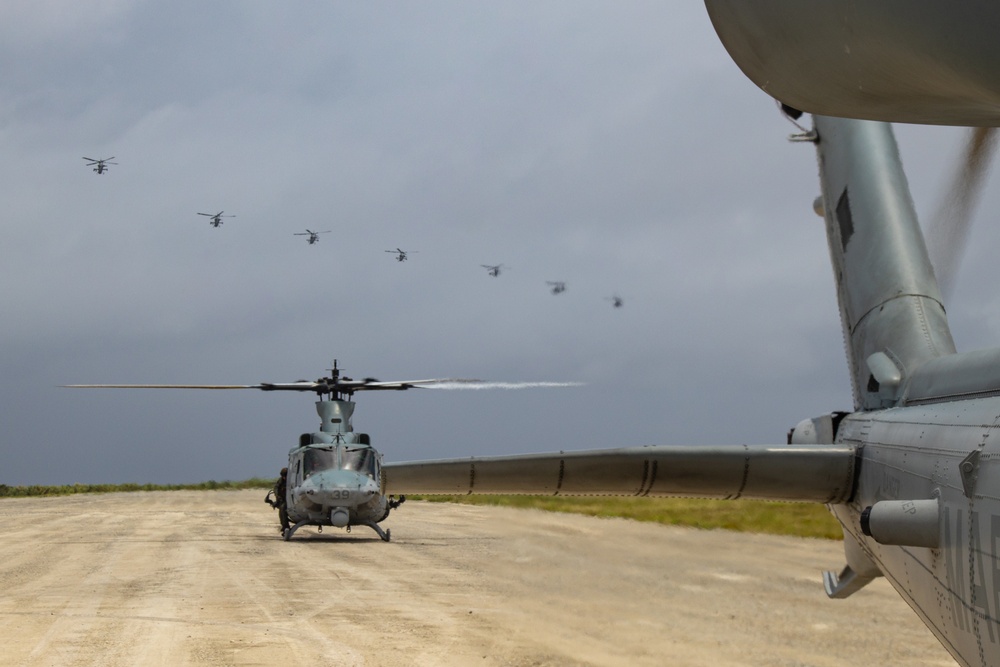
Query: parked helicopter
x=335 y=474
x=216 y=218
x=313 y=236
x=493 y=269
x=558 y=287
x=401 y=255
x=100 y=166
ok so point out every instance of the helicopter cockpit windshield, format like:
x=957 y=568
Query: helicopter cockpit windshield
x=355 y=459
x=359 y=460
x=317 y=460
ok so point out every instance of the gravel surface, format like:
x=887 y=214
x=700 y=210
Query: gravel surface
x=202 y=578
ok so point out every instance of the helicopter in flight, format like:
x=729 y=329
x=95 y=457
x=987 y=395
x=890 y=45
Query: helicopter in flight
x=616 y=301
x=216 y=218
x=493 y=269
x=313 y=236
x=401 y=255
x=100 y=166
x=558 y=287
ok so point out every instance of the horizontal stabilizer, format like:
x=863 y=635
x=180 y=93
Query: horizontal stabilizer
x=807 y=473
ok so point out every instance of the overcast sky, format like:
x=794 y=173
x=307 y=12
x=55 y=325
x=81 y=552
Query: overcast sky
x=610 y=145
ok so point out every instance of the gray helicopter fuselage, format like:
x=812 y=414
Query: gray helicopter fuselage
x=334 y=475
x=947 y=569
x=331 y=484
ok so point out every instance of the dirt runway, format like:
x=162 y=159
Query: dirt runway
x=202 y=578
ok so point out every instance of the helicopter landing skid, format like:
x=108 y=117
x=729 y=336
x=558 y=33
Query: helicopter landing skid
x=384 y=534
x=287 y=534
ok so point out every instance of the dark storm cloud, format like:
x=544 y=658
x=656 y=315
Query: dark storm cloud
x=612 y=146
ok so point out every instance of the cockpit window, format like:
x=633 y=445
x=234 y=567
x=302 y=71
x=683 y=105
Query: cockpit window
x=358 y=460
x=318 y=460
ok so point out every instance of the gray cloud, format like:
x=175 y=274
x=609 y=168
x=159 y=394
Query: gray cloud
x=612 y=146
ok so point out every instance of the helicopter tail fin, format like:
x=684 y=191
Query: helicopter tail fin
x=890 y=304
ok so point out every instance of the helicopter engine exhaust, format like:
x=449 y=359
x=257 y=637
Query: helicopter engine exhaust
x=339 y=517
x=912 y=523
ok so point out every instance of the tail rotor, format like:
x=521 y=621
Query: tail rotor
x=948 y=230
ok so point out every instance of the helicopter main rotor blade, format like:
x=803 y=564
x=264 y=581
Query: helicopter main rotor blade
x=948 y=230
x=162 y=386
x=452 y=385
x=301 y=385
x=349 y=385
x=408 y=384
x=345 y=385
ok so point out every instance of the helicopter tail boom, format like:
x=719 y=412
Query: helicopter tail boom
x=890 y=305
x=809 y=473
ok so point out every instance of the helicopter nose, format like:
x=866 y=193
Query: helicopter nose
x=338 y=488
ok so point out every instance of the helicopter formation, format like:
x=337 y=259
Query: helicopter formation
x=400 y=255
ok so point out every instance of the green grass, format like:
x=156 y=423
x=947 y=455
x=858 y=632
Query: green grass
x=751 y=516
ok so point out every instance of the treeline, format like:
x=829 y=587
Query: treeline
x=35 y=490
